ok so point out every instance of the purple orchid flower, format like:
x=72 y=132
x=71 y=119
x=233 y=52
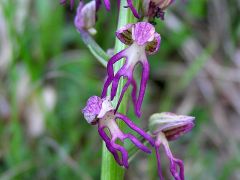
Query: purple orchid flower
x=100 y=111
x=142 y=39
x=86 y=16
x=167 y=127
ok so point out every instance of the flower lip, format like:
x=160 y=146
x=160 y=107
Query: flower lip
x=172 y=125
x=142 y=33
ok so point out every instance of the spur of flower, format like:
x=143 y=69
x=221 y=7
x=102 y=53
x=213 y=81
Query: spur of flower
x=142 y=40
x=100 y=111
x=166 y=127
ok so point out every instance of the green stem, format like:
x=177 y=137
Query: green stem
x=110 y=169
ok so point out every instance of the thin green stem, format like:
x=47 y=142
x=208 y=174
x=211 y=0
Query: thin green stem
x=110 y=169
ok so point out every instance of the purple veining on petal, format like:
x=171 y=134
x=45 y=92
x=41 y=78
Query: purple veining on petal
x=175 y=133
x=153 y=46
x=92 y=109
x=124 y=34
x=172 y=125
x=143 y=32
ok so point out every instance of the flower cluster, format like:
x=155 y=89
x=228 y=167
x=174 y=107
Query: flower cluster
x=100 y=111
x=141 y=39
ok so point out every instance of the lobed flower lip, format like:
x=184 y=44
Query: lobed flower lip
x=172 y=125
x=141 y=33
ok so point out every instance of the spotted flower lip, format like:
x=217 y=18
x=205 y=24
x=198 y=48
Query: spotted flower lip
x=165 y=127
x=142 y=40
x=100 y=111
x=172 y=125
x=86 y=16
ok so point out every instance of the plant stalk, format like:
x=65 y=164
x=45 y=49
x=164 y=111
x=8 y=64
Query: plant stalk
x=110 y=169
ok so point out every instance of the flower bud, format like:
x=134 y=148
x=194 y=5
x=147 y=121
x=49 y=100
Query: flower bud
x=163 y=4
x=86 y=16
x=172 y=125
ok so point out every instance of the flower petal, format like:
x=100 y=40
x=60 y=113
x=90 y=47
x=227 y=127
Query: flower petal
x=92 y=109
x=172 y=125
x=143 y=32
x=153 y=46
x=124 y=34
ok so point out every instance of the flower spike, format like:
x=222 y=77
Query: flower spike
x=142 y=40
x=100 y=111
x=166 y=127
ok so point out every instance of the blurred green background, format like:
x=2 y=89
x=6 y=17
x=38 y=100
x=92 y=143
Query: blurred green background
x=47 y=74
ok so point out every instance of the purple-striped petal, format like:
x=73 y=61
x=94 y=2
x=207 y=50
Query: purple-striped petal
x=172 y=125
x=124 y=34
x=86 y=15
x=143 y=33
x=153 y=46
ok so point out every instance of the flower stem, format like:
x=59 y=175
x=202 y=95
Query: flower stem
x=110 y=169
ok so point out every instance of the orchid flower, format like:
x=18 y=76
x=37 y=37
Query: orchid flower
x=142 y=40
x=86 y=16
x=167 y=127
x=100 y=111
